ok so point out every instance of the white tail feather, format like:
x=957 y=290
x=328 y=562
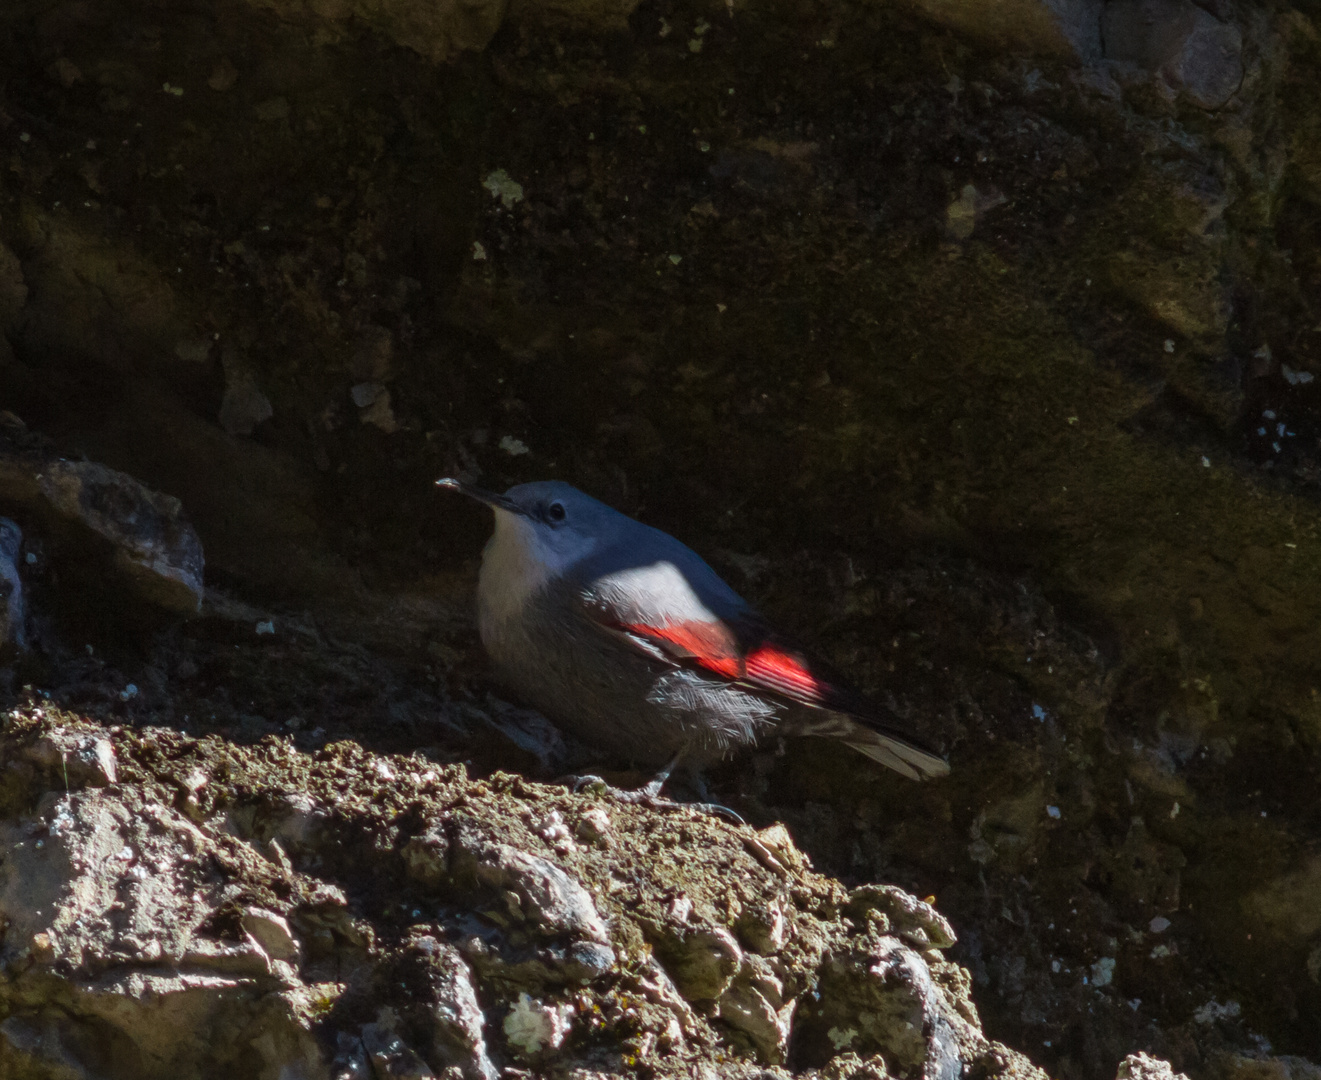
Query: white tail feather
x=902 y=757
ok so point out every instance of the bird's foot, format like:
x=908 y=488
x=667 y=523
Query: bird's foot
x=649 y=795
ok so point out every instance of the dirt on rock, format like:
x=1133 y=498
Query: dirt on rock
x=180 y=907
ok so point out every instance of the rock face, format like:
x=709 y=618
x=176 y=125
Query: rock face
x=106 y=517
x=399 y=934
x=1186 y=45
x=13 y=621
x=154 y=547
x=437 y=31
x=975 y=342
x=1070 y=28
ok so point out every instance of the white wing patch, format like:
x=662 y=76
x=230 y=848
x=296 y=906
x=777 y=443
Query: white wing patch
x=654 y=595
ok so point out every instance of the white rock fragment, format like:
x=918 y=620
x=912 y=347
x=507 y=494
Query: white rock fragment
x=1159 y=924
x=1296 y=378
x=266 y=626
x=552 y=829
x=458 y=1033
x=962 y=214
x=1053 y=812
x=533 y=1026
x=502 y=187
x=1103 y=971
x=755 y=1004
x=514 y=447
x=365 y=393
x=78 y=760
x=594 y=825
x=272 y=933
x=478 y=251
x=1213 y=1011
x=1140 y=1066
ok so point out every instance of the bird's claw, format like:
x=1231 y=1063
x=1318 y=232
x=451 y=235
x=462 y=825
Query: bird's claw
x=715 y=810
x=649 y=796
x=590 y=782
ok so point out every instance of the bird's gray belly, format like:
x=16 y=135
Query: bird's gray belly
x=608 y=695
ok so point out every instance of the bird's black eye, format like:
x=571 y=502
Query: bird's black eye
x=555 y=512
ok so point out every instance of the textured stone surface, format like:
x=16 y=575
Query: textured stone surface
x=13 y=610
x=110 y=523
x=154 y=546
x=154 y=932
x=984 y=362
x=1187 y=46
x=1067 y=28
x=437 y=31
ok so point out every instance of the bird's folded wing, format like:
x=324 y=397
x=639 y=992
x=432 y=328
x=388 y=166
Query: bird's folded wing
x=656 y=610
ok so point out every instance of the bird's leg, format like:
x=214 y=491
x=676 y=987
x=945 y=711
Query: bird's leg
x=650 y=793
x=652 y=789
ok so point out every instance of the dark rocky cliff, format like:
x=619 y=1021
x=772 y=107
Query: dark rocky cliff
x=978 y=343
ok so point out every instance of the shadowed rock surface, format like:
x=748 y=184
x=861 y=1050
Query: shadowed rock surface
x=975 y=343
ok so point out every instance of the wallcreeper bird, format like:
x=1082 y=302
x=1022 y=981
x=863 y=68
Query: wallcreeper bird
x=629 y=640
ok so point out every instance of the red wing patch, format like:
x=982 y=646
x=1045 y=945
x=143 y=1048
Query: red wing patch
x=710 y=644
x=784 y=673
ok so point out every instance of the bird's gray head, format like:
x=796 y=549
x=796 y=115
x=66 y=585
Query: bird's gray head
x=550 y=522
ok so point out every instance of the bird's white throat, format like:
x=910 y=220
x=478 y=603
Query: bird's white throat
x=517 y=563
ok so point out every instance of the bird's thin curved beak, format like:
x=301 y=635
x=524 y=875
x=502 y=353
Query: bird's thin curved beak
x=496 y=502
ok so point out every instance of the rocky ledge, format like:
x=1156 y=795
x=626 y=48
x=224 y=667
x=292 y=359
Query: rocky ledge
x=181 y=907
